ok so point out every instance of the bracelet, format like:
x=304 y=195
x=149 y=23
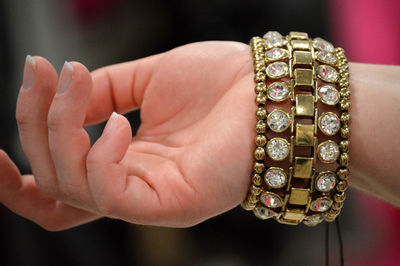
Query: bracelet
x=304 y=72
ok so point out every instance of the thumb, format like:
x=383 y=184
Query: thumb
x=106 y=176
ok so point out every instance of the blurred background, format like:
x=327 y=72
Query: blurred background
x=103 y=32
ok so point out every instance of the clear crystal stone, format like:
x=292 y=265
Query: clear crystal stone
x=278 y=91
x=274 y=39
x=328 y=151
x=327 y=73
x=271 y=200
x=264 y=213
x=323 y=45
x=313 y=220
x=277 y=70
x=326 y=57
x=326 y=182
x=276 y=54
x=321 y=204
x=328 y=94
x=278 y=120
x=278 y=149
x=275 y=178
x=329 y=123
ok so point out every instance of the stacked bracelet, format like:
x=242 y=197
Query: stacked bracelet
x=306 y=73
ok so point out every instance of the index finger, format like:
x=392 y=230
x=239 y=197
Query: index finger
x=119 y=88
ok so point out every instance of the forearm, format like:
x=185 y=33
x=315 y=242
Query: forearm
x=375 y=127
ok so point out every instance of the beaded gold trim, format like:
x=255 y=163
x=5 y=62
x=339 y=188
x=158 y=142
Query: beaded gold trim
x=305 y=72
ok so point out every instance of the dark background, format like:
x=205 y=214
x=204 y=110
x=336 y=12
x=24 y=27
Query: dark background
x=103 y=32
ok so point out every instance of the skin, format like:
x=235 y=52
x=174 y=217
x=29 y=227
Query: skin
x=192 y=156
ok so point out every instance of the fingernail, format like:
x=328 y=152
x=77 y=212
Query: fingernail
x=111 y=123
x=66 y=76
x=29 y=73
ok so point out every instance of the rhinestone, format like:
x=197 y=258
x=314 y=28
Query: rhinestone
x=323 y=45
x=327 y=73
x=321 y=204
x=326 y=57
x=278 y=91
x=264 y=213
x=278 y=149
x=276 y=54
x=328 y=95
x=329 y=123
x=313 y=220
x=328 y=151
x=274 y=39
x=325 y=181
x=275 y=177
x=278 y=120
x=278 y=70
x=271 y=200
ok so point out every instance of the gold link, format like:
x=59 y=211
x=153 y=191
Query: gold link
x=303 y=167
x=342 y=186
x=261 y=113
x=298 y=35
x=261 y=99
x=343 y=173
x=299 y=196
x=303 y=77
x=259 y=154
x=337 y=205
x=294 y=214
x=344 y=159
x=259 y=167
x=304 y=105
x=255 y=190
x=260 y=87
x=302 y=58
x=345 y=104
x=344 y=132
x=260 y=76
x=253 y=198
x=247 y=206
x=261 y=140
x=344 y=93
x=339 y=197
x=344 y=145
x=257 y=179
x=345 y=118
x=289 y=222
x=304 y=135
x=261 y=126
x=301 y=45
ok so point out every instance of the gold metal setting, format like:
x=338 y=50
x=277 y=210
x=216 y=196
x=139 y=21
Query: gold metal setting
x=272 y=91
x=309 y=64
x=282 y=142
x=280 y=170
x=334 y=151
x=335 y=117
x=283 y=112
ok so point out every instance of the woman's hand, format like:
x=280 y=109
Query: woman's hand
x=189 y=161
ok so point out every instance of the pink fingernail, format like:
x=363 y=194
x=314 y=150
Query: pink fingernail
x=66 y=76
x=29 y=73
x=111 y=123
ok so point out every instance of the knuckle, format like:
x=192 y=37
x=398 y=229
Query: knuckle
x=48 y=190
x=54 y=123
x=23 y=118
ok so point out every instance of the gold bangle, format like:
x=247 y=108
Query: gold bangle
x=304 y=72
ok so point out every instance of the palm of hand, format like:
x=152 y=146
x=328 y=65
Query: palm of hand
x=193 y=148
